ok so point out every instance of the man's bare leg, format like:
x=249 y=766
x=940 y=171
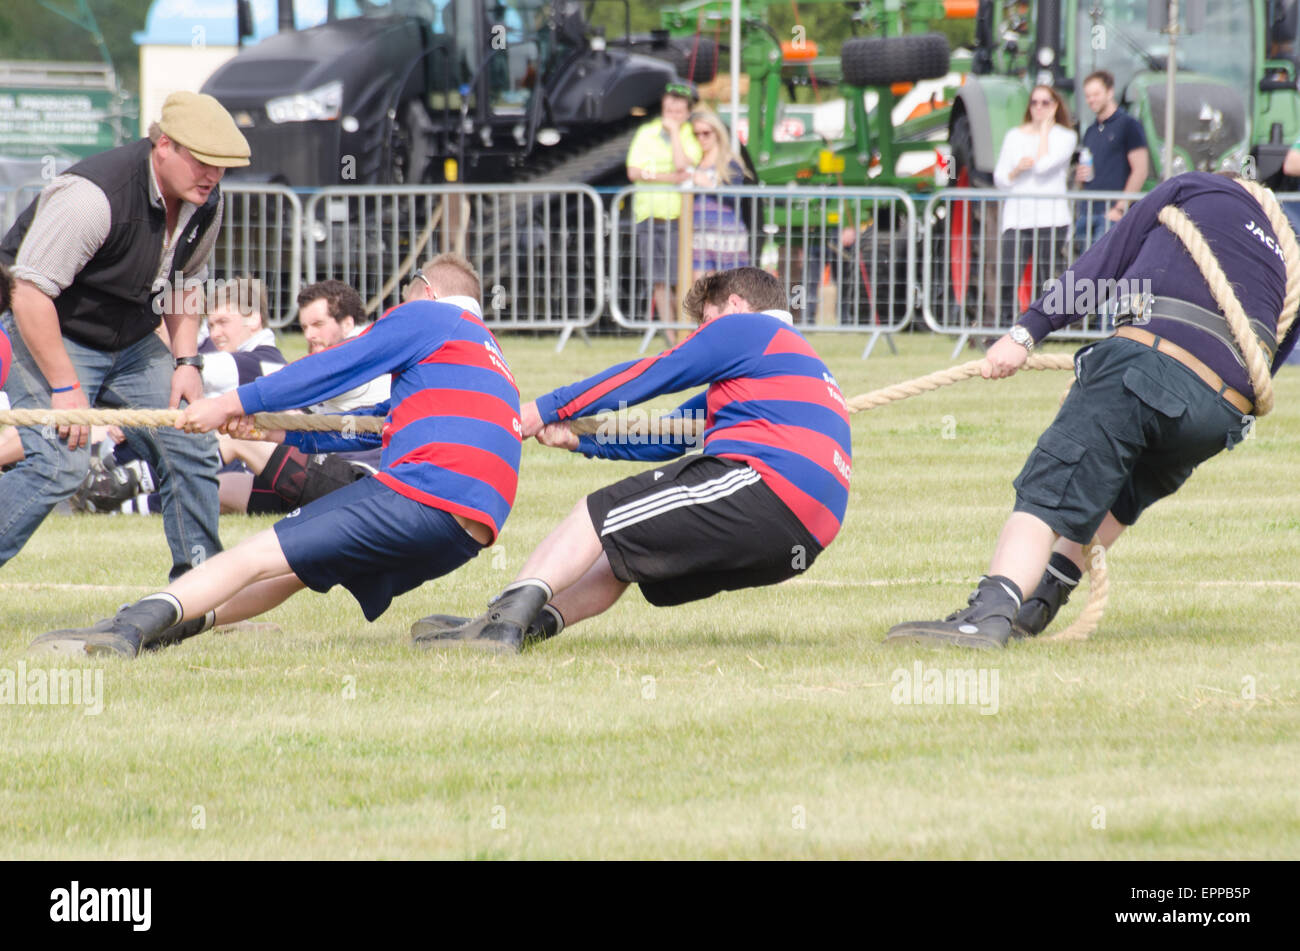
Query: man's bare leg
x=190 y=598
x=563 y=574
x=251 y=452
x=234 y=489
x=990 y=617
x=258 y=599
x=1023 y=549
x=565 y=555
x=1110 y=530
x=222 y=577
x=254 y=600
x=1063 y=572
x=592 y=594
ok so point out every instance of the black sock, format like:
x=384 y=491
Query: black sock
x=1007 y=585
x=1064 y=570
x=547 y=624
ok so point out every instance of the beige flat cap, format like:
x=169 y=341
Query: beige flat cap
x=203 y=126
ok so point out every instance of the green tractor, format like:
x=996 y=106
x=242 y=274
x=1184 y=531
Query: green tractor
x=877 y=66
x=890 y=82
x=1235 y=101
x=1235 y=95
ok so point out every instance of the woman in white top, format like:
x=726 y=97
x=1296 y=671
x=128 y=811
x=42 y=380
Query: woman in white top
x=1035 y=159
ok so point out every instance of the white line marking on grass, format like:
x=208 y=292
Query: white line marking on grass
x=896 y=582
x=61 y=586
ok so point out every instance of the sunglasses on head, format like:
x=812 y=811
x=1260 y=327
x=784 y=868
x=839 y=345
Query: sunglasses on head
x=680 y=89
x=417 y=277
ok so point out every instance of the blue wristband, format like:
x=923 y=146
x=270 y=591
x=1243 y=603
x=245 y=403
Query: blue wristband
x=66 y=389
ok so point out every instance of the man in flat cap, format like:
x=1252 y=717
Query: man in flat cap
x=102 y=256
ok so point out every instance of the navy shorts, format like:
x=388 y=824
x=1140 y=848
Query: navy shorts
x=375 y=542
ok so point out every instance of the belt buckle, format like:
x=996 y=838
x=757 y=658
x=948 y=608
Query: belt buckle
x=1133 y=310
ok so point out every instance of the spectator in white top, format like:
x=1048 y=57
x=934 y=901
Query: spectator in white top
x=239 y=347
x=236 y=350
x=1034 y=160
x=331 y=312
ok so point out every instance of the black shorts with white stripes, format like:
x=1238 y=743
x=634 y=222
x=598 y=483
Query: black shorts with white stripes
x=688 y=530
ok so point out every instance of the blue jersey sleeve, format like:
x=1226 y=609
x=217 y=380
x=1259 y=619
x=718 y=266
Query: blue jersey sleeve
x=399 y=339
x=339 y=441
x=652 y=448
x=717 y=351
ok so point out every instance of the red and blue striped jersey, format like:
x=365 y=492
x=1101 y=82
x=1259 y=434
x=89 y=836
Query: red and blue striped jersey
x=771 y=402
x=6 y=356
x=451 y=436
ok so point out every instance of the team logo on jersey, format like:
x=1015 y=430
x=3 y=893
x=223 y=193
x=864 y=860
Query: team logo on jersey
x=842 y=465
x=1258 y=232
x=498 y=359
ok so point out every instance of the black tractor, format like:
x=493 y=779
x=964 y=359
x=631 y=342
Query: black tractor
x=408 y=92
x=387 y=91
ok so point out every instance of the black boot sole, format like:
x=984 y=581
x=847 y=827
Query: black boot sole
x=469 y=636
x=436 y=624
x=941 y=634
x=83 y=643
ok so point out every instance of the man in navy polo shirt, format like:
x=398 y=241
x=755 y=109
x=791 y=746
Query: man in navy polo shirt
x=1169 y=390
x=1120 y=160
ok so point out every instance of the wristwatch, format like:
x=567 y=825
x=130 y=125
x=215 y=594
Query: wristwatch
x=195 y=361
x=1022 y=336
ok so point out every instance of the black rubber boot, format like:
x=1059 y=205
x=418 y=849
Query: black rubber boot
x=1053 y=591
x=546 y=625
x=177 y=633
x=501 y=629
x=119 y=636
x=984 y=623
x=106 y=486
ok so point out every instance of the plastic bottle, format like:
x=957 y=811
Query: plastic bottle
x=1085 y=161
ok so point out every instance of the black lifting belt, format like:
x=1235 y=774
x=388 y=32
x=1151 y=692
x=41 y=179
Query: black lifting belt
x=1141 y=308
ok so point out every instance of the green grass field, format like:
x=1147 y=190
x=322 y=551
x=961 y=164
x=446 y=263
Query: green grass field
x=759 y=724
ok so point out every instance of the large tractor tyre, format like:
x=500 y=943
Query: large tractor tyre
x=410 y=157
x=705 y=54
x=965 y=247
x=882 y=60
x=962 y=144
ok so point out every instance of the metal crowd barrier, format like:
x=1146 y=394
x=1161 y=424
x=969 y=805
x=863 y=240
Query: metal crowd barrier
x=539 y=249
x=261 y=236
x=847 y=256
x=977 y=276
